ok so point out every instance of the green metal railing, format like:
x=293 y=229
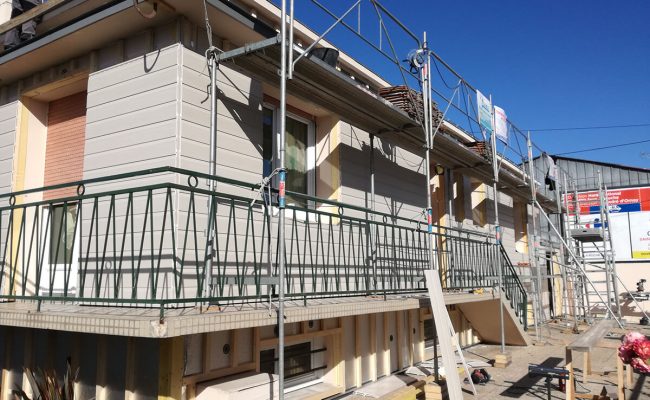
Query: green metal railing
x=141 y=239
x=513 y=289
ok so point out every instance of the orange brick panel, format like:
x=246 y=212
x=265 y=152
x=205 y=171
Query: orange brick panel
x=66 y=137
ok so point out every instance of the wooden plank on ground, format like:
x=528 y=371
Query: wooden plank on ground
x=443 y=331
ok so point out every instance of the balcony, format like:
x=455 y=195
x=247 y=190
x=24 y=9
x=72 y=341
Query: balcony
x=141 y=240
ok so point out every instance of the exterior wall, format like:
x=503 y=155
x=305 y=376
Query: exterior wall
x=131 y=125
x=358 y=349
x=239 y=121
x=110 y=367
x=400 y=182
x=132 y=115
x=8 y=115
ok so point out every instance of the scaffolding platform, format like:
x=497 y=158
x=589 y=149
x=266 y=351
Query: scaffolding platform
x=587 y=235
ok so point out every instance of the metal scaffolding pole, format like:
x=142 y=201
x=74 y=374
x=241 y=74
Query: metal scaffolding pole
x=575 y=259
x=615 y=278
x=563 y=228
x=567 y=235
x=373 y=239
x=281 y=193
x=212 y=170
x=426 y=93
x=532 y=253
x=603 y=232
x=497 y=229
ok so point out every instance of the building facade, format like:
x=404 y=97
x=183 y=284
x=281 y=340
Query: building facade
x=108 y=212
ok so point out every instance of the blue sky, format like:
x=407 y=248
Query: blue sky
x=549 y=64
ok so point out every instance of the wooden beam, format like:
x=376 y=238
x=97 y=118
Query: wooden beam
x=170 y=373
x=357 y=352
x=399 y=325
x=256 y=348
x=233 y=348
x=130 y=384
x=620 y=380
x=373 y=346
x=586 y=368
x=101 y=391
x=35 y=12
x=271 y=342
x=8 y=343
x=410 y=333
x=386 y=350
x=208 y=352
x=217 y=373
x=570 y=393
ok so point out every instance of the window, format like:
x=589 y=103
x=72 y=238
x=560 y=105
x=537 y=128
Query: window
x=62 y=229
x=299 y=156
x=297 y=360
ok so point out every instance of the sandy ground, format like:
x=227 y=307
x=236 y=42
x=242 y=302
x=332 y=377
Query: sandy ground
x=513 y=382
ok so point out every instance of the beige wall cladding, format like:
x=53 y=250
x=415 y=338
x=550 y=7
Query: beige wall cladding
x=8 y=114
x=64 y=152
x=132 y=113
x=239 y=121
x=399 y=177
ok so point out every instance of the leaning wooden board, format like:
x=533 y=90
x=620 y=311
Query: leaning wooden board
x=443 y=331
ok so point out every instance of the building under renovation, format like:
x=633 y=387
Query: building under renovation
x=165 y=196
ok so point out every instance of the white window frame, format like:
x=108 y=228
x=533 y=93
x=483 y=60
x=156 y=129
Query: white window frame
x=47 y=268
x=311 y=155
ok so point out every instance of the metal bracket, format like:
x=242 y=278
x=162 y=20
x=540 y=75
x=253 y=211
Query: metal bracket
x=247 y=49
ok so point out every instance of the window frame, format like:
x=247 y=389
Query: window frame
x=299 y=381
x=48 y=213
x=311 y=146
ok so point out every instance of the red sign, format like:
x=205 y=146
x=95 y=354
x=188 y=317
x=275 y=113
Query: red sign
x=617 y=197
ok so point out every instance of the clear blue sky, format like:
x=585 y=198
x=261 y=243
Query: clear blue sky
x=549 y=64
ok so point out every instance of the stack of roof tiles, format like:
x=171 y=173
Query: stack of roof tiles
x=410 y=101
x=481 y=148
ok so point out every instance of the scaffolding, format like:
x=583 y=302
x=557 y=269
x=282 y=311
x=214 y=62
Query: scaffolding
x=305 y=75
x=495 y=168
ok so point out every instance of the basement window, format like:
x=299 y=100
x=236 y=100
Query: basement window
x=298 y=363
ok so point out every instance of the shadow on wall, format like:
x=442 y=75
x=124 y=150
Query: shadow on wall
x=395 y=185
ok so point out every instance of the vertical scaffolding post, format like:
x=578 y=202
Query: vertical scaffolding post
x=497 y=228
x=567 y=238
x=282 y=194
x=426 y=93
x=581 y=251
x=563 y=229
x=212 y=170
x=603 y=232
x=427 y=132
x=532 y=253
x=373 y=250
x=615 y=277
